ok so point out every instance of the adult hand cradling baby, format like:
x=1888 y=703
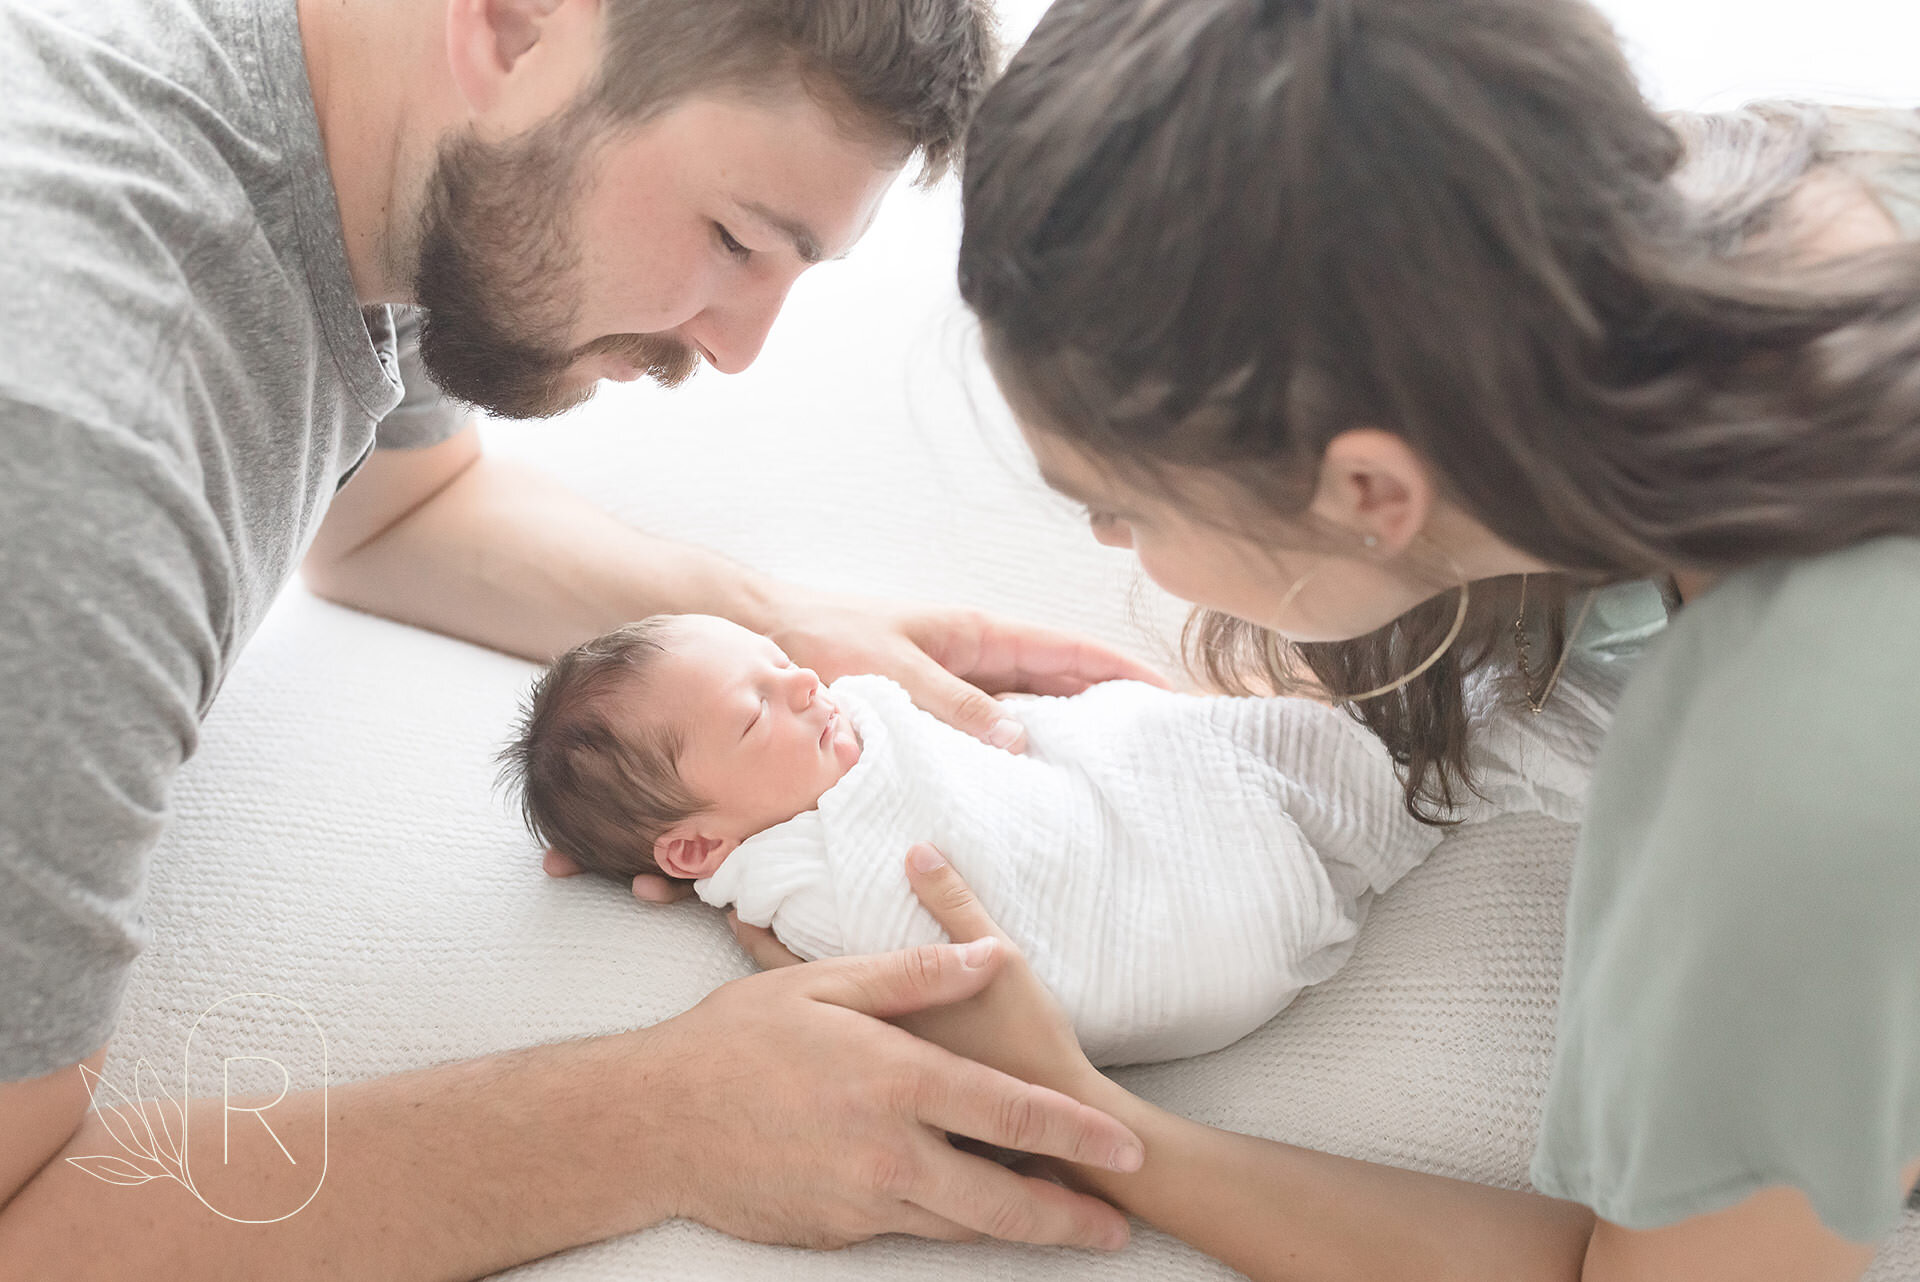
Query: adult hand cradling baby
x=1013 y=1023
x=790 y=1031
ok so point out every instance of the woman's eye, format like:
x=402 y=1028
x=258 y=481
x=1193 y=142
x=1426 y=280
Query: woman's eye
x=1098 y=519
x=732 y=246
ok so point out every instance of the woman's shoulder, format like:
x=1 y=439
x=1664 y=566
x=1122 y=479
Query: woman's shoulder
x=1776 y=719
x=1783 y=657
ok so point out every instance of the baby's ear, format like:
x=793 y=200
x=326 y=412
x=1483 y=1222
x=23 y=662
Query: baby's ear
x=683 y=853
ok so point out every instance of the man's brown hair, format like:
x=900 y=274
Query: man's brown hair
x=586 y=787
x=912 y=68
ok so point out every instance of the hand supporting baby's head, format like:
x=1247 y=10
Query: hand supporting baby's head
x=664 y=744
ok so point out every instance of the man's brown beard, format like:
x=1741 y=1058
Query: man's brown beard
x=496 y=271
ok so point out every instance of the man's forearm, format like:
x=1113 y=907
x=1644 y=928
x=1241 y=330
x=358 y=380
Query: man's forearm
x=448 y=1173
x=510 y=558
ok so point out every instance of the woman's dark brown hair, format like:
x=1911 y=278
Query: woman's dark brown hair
x=1217 y=233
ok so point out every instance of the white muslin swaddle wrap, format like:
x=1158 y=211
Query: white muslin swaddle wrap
x=1176 y=868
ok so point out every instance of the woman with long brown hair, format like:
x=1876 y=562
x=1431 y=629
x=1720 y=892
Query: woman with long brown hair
x=1390 y=331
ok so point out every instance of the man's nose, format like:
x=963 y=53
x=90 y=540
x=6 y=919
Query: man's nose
x=732 y=333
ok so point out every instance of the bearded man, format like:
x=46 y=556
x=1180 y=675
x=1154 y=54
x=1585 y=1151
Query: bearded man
x=213 y=209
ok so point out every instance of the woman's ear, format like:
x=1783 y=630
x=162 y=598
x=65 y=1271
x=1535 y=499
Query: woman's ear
x=683 y=852
x=1374 y=484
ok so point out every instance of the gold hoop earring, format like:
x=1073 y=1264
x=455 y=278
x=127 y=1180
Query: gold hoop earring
x=1453 y=634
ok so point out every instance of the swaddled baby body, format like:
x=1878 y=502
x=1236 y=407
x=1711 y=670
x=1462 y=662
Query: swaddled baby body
x=1175 y=867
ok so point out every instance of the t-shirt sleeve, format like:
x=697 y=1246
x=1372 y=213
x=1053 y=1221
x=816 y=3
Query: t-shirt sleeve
x=107 y=656
x=425 y=415
x=1740 y=1002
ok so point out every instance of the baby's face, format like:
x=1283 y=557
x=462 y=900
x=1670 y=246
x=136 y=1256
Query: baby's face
x=762 y=739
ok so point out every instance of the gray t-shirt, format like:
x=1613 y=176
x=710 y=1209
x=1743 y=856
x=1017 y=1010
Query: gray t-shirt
x=185 y=379
x=1740 y=1004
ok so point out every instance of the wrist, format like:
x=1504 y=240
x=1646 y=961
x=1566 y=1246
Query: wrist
x=663 y=1147
x=761 y=603
x=1096 y=1090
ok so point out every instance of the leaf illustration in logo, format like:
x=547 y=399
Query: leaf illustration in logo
x=158 y=1102
x=114 y=1170
x=124 y=1121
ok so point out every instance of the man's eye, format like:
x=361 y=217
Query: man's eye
x=732 y=246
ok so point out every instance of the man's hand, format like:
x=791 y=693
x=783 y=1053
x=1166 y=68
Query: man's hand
x=1013 y=1023
x=806 y=1119
x=951 y=661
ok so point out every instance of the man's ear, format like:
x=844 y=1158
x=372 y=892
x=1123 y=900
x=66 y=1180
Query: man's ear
x=683 y=852
x=1374 y=484
x=518 y=62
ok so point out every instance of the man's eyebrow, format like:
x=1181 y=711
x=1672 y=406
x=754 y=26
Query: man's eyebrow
x=1054 y=482
x=805 y=243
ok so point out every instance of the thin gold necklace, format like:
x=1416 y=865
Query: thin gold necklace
x=1521 y=646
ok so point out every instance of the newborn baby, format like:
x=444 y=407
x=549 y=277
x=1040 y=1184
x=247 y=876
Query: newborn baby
x=1175 y=867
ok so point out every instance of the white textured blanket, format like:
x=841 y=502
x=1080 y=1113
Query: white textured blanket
x=1175 y=868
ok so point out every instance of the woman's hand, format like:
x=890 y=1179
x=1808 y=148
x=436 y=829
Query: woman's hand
x=1014 y=1024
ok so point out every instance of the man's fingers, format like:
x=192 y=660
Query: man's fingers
x=761 y=944
x=986 y=1197
x=964 y=707
x=557 y=863
x=652 y=888
x=946 y=896
x=921 y=1222
x=891 y=984
x=970 y=1099
x=1001 y=656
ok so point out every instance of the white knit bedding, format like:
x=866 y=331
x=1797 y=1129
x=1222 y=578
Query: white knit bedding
x=338 y=841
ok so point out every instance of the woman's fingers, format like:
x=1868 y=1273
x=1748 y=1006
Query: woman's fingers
x=761 y=944
x=946 y=896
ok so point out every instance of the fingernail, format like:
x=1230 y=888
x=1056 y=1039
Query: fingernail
x=1005 y=733
x=1113 y=1239
x=973 y=956
x=925 y=859
x=1126 y=1159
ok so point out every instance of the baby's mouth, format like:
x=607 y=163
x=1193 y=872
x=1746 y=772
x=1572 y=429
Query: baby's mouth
x=826 y=731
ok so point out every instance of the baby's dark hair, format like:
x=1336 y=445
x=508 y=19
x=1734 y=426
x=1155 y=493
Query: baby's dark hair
x=586 y=787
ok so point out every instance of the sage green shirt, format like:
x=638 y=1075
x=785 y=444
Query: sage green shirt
x=1740 y=1003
